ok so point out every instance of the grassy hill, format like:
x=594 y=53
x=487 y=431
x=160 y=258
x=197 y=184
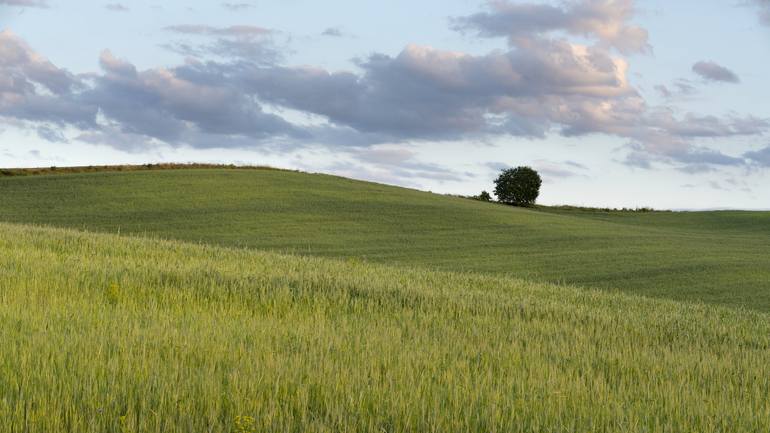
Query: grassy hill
x=107 y=333
x=715 y=257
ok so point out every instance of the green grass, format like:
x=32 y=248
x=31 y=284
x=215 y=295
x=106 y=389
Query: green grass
x=105 y=333
x=715 y=257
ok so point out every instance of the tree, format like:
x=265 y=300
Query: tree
x=518 y=186
x=484 y=196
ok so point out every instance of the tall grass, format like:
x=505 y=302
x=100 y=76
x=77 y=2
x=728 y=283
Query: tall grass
x=103 y=333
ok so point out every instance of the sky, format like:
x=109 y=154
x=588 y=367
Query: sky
x=617 y=103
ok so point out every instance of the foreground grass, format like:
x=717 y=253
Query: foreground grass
x=103 y=333
x=715 y=257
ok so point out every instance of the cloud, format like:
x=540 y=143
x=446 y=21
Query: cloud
x=424 y=93
x=707 y=156
x=694 y=126
x=395 y=175
x=51 y=134
x=550 y=169
x=334 y=32
x=237 y=6
x=558 y=170
x=159 y=103
x=760 y=157
x=604 y=20
x=713 y=72
x=400 y=162
x=680 y=88
x=26 y=3
x=763 y=7
x=22 y=67
x=541 y=87
x=117 y=7
x=156 y=103
x=576 y=165
x=33 y=89
x=245 y=42
x=238 y=31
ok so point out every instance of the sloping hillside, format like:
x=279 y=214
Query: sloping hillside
x=108 y=333
x=717 y=257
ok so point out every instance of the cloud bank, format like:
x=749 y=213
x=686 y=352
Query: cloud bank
x=234 y=91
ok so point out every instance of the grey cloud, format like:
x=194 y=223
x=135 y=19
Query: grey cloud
x=156 y=103
x=550 y=169
x=707 y=156
x=160 y=104
x=118 y=139
x=25 y=3
x=657 y=135
x=246 y=42
x=425 y=93
x=558 y=170
x=693 y=126
x=556 y=173
x=696 y=168
x=681 y=88
x=257 y=51
x=402 y=163
x=240 y=30
x=117 y=7
x=59 y=110
x=237 y=6
x=760 y=157
x=714 y=72
x=334 y=32
x=576 y=165
x=605 y=20
x=670 y=149
x=115 y=66
x=496 y=166
x=638 y=159
x=664 y=91
x=21 y=67
x=33 y=89
x=51 y=134
x=402 y=175
x=763 y=7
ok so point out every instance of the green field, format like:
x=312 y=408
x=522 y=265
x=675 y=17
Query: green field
x=103 y=333
x=713 y=257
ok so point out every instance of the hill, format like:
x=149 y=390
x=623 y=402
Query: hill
x=715 y=257
x=110 y=333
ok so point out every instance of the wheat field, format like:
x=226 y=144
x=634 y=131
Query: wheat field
x=107 y=333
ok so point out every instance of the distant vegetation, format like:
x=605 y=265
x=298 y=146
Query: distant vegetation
x=715 y=257
x=103 y=333
x=111 y=168
x=599 y=209
x=484 y=196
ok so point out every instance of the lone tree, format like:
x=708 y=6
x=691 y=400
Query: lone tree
x=518 y=186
